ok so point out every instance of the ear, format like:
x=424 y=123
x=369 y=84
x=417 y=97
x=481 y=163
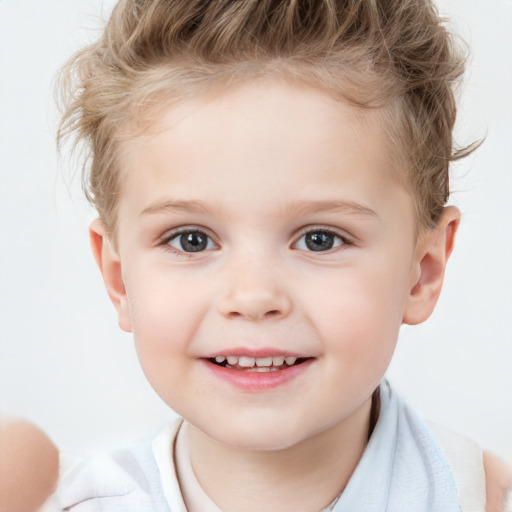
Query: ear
x=109 y=264
x=433 y=250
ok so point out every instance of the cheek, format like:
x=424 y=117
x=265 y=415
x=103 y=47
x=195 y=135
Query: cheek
x=361 y=313
x=163 y=324
x=164 y=314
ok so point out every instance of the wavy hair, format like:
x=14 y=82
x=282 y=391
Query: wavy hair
x=394 y=54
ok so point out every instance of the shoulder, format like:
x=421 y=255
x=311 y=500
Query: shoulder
x=498 y=479
x=464 y=458
x=482 y=479
x=126 y=480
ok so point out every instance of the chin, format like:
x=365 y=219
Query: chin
x=258 y=437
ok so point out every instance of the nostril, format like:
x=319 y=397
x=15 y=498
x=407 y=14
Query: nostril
x=255 y=315
x=255 y=306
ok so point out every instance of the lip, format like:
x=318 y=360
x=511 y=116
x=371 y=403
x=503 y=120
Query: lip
x=257 y=381
x=256 y=353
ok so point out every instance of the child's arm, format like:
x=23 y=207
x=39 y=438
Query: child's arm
x=498 y=476
x=29 y=466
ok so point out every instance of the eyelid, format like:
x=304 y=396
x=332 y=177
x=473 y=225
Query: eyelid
x=342 y=235
x=179 y=230
x=176 y=232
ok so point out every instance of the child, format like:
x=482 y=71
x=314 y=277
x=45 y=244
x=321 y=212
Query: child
x=271 y=181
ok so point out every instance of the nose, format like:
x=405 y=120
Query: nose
x=255 y=293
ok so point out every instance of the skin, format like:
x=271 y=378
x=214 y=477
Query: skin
x=26 y=448
x=259 y=284
x=29 y=466
x=255 y=168
x=498 y=482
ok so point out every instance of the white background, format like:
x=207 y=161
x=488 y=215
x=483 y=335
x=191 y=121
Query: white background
x=65 y=364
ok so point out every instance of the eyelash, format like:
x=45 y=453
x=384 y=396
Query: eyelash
x=342 y=240
x=166 y=242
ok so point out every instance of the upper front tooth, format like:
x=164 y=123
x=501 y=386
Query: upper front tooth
x=278 y=360
x=264 y=361
x=246 y=362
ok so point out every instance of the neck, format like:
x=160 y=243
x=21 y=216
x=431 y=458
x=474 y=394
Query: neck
x=281 y=480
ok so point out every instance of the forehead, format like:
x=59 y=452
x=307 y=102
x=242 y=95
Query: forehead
x=275 y=139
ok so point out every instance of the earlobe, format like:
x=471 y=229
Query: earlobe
x=109 y=264
x=433 y=251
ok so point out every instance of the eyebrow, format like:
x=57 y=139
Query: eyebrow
x=348 y=207
x=191 y=206
x=302 y=207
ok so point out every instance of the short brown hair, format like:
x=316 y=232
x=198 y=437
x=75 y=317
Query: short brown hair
x=395 y=54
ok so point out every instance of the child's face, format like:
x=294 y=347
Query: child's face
x=264 y=222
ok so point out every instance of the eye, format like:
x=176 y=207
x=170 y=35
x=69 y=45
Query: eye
x=191 y=241
x=320 y=240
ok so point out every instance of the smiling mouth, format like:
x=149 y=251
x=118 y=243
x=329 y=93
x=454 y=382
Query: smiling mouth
x=259 y=364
